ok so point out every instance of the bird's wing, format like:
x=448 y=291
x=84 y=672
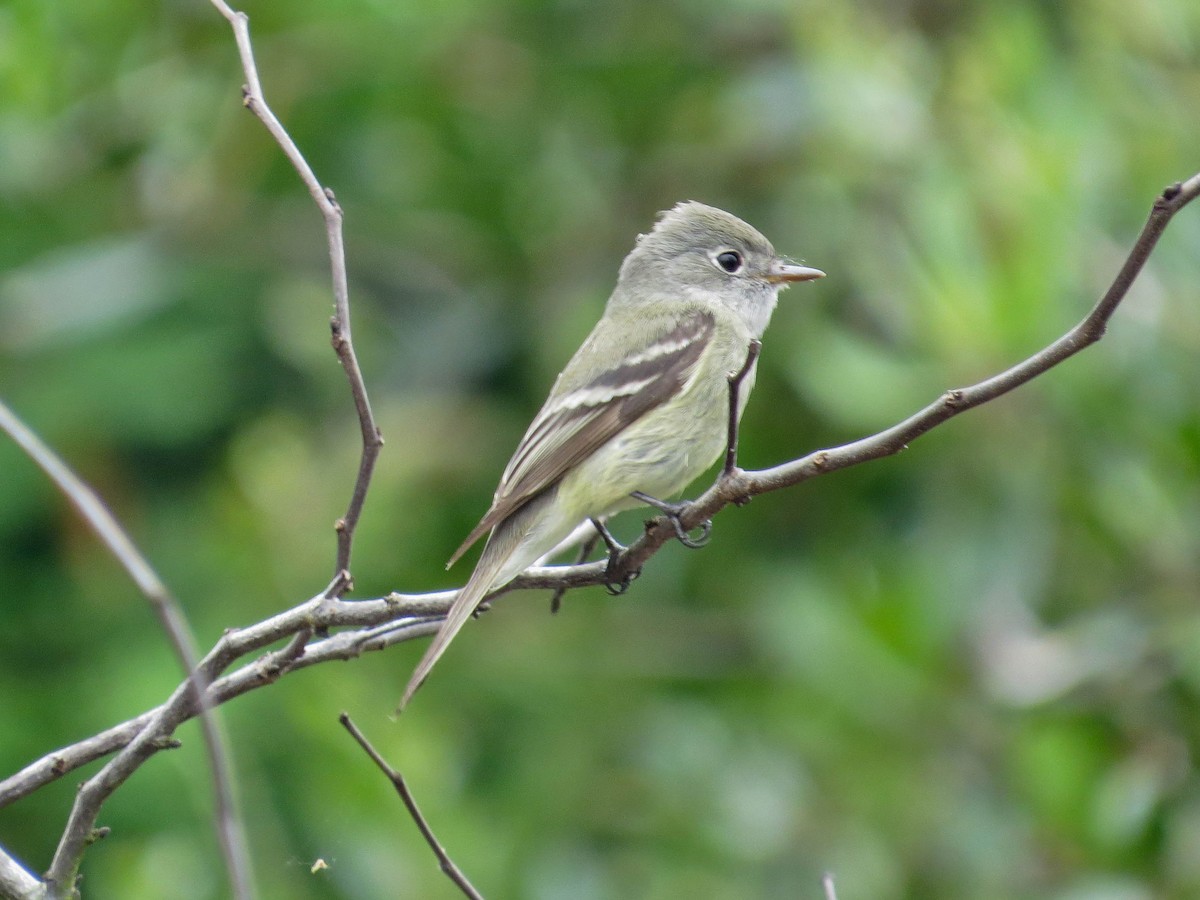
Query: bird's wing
x=575 y=423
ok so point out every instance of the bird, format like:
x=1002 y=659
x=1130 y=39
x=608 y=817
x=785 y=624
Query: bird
x=641 y=409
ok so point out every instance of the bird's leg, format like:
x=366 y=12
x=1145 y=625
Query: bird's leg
x=735 y=386
x=674 y=513
x=612 y=583
x=585 y=550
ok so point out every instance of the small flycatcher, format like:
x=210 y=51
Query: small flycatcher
x=642 y=406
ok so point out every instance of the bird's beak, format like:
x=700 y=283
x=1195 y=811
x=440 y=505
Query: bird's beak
x=782 y=272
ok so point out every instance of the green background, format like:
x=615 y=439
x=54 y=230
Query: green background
x=970 y=671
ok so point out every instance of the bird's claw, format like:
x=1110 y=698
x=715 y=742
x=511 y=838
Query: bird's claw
x=618 y=584
x=685 y=538
x=674 y=513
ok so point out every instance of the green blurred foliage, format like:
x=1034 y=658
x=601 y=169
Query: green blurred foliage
x=968 y=671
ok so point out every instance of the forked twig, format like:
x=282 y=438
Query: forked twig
x=75 y=838
x=736 y=485
x=385 y=621
x=343 y=343
x=382 y=622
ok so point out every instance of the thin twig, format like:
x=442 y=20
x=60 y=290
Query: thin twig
x=391 y=620
x=585 y=550
x=382 y=622
x=174 y=623
x=736 y=486
x=447 y=864
x=827 y=884
x=80 y=830
x=343 y=343
x=378 y=624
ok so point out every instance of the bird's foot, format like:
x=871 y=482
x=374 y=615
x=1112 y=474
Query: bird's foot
x=615 y=582
x=674 y=513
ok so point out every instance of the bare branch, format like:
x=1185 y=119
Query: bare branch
x=736 y=485
x=381 y=622
x=84 y=499
x=17 y=882
x=585 y=550
x=80 y=830
x=170 y=616
x=343 y=344
x=378 y=623
x=453 y=872
x=827 y=884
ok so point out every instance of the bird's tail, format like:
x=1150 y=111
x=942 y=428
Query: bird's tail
x=506 y=554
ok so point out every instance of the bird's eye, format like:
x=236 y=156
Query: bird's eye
x=730 y=261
